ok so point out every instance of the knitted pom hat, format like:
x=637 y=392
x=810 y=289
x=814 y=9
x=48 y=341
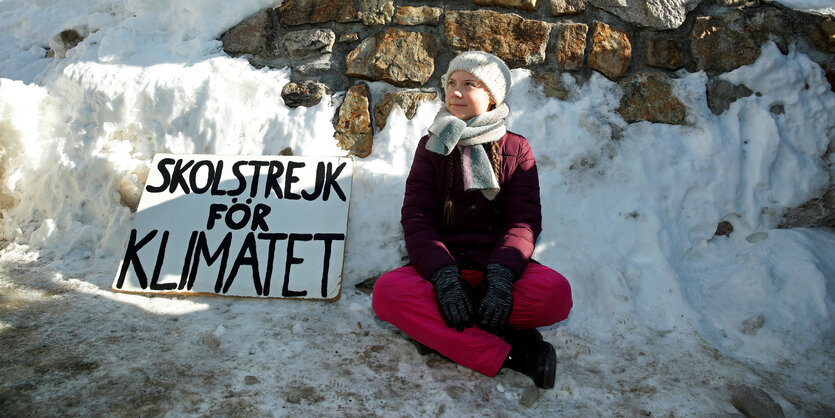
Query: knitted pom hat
x=488 y=68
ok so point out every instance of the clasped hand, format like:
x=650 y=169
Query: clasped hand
x=454 y=295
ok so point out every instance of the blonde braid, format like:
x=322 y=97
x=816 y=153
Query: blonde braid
x=494 y=158
x=448 y=209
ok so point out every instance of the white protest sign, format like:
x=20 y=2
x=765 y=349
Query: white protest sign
x=260 y=226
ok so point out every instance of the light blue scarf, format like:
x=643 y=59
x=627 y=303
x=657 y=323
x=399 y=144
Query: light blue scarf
x=448 y=132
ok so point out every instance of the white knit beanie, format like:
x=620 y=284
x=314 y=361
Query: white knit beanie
x=488 y=68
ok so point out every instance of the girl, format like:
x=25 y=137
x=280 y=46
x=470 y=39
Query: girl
x=471 y=216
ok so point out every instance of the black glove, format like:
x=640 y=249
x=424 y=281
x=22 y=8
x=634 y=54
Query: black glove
x=498 y=301
x=451 y=293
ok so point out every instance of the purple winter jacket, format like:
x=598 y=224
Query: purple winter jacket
x=503 y=230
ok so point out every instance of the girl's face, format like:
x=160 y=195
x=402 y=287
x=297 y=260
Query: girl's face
x=466 y=96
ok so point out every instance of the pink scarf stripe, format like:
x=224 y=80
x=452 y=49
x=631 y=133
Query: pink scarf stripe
x=467 y=168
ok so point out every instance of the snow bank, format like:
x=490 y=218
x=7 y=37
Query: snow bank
x=821 y=7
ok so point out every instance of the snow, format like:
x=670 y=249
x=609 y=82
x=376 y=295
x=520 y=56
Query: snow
x=821 y=7
x=668 y=319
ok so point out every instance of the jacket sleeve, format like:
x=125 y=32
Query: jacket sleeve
x=523 y=212
x=422 y=203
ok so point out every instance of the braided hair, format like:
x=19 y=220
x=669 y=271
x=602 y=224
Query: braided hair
x=494 y=158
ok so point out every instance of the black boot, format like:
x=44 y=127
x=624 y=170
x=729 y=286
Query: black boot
x=422 y=349
x=532 y=356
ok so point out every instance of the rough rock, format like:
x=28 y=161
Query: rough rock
x=665 y=53
x=404 y=59
x=721 y=93
x=353 y=126
x=552 y=85
x=130 y=185
x=567 y=7
x=63 y=42
x=315 y=66
x=212 y=341
x=530 y=395
x=828 y=28
x=376 y=12
x=724 y=229
x=752 y=325
x=570 y=48
x=716 y=46
x=654 y=14
x=307 y=94
x=526 y=5
x=367 y=286
x=722 y=43
x=516 y=40
x=819 y=211
x=649 y=97
x=349 y=37
x=300 y=12
x=255 y=35
x=309 y=43
x=407 y=100
x=412 y=16
x=611 y=51
x=70 y=38
x=822 y=35
x=129 y=188
x=735 y=3
x=755 y=402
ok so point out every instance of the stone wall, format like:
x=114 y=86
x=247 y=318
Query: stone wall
x=333 y=45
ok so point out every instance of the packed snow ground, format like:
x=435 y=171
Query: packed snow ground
x=668 y=320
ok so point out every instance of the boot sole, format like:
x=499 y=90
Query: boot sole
x=422 y=349
x=546 y=370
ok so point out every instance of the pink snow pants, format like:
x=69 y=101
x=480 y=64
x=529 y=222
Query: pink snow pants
x=541 y=297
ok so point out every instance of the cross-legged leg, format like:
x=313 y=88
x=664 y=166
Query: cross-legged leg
x=541 y=297
x=401 y=297
x=407 y=301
